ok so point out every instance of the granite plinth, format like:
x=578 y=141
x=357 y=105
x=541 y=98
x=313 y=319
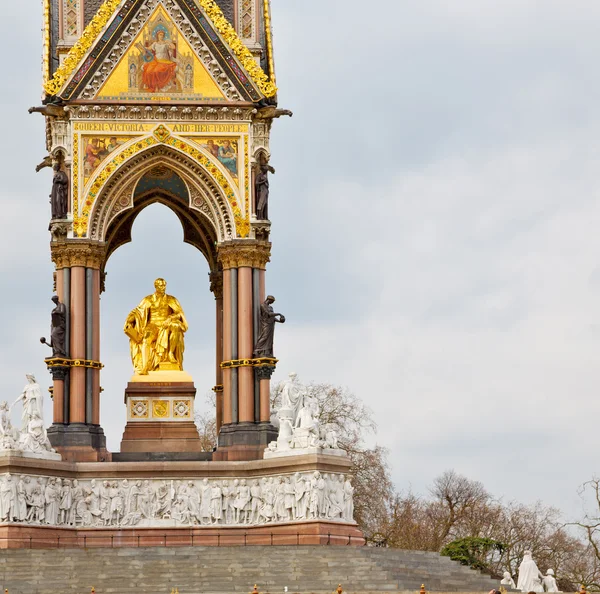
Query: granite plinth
x=244 y=441
x=160 y=414
x=79 y=442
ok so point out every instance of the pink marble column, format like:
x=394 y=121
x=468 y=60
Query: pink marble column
x=245 y=344
x=219 y=359
x=96 y=347
x=58 y=393
x=265 y=402
x=265 y=384
x=226 y=346
x=77 y=412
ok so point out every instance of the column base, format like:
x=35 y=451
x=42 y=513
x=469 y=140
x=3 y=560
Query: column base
x=78 y=442
x=244 y=441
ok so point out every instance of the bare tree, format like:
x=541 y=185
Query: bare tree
x=206 y=424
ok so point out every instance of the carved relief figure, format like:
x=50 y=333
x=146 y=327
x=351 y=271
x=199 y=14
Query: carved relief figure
x=155 y=329
x=62 y=502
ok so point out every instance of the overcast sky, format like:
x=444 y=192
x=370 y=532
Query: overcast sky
x=435 y=233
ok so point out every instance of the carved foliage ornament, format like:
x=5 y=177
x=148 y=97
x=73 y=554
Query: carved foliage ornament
x=106 y=11
x=250 y=254
x=66 y=254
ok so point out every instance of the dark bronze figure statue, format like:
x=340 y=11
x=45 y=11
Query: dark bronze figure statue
x=261 y=191
x=59 y=198
x=58 y=332
x=266 y=332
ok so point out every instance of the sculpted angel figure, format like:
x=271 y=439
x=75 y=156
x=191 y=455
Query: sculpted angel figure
x=155 y=329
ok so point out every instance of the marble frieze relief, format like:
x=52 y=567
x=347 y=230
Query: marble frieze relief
x=106 y=502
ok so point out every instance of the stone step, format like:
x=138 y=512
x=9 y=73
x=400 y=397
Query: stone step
x=234 y=570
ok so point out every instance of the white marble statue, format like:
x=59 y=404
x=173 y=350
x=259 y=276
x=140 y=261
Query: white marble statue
x=549 y=582
x=31 y=440
x=9 y=436
x=32 y=401
x=298 y=420
x=159 y=503
x=530 y=577
x=507 y=580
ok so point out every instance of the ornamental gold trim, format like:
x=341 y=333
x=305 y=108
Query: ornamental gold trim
x=160 y=409
x=269 y=38
x=243 y=54
x=62 y=362
x=261 y=362
x=251 y=254
x=84 y=43
x=212 y=10
x=46 y=46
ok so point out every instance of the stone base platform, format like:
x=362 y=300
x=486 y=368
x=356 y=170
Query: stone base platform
x=17 y=536
x=288 y=501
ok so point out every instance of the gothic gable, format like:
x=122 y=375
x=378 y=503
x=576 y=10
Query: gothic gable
x=175 y=50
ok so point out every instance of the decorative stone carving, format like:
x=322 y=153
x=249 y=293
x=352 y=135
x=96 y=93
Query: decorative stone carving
x=165 y=503
x=530 y=577
x=151 y=112
x=253 y=254
x=300 y=431
x=59 y=230
x=89 y=254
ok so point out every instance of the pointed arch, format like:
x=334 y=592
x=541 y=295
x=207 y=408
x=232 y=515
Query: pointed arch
x=210 y=194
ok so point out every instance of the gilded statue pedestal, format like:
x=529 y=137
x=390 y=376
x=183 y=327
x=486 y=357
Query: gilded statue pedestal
x=160 y=415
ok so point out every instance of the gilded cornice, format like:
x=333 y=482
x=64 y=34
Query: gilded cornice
x=69 y=253
x=239 y=254
x=212 y=10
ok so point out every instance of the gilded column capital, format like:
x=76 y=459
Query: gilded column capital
x=69 y=253
x=238 y=254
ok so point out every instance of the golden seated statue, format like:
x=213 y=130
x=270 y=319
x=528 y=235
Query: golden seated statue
x=155 y=329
